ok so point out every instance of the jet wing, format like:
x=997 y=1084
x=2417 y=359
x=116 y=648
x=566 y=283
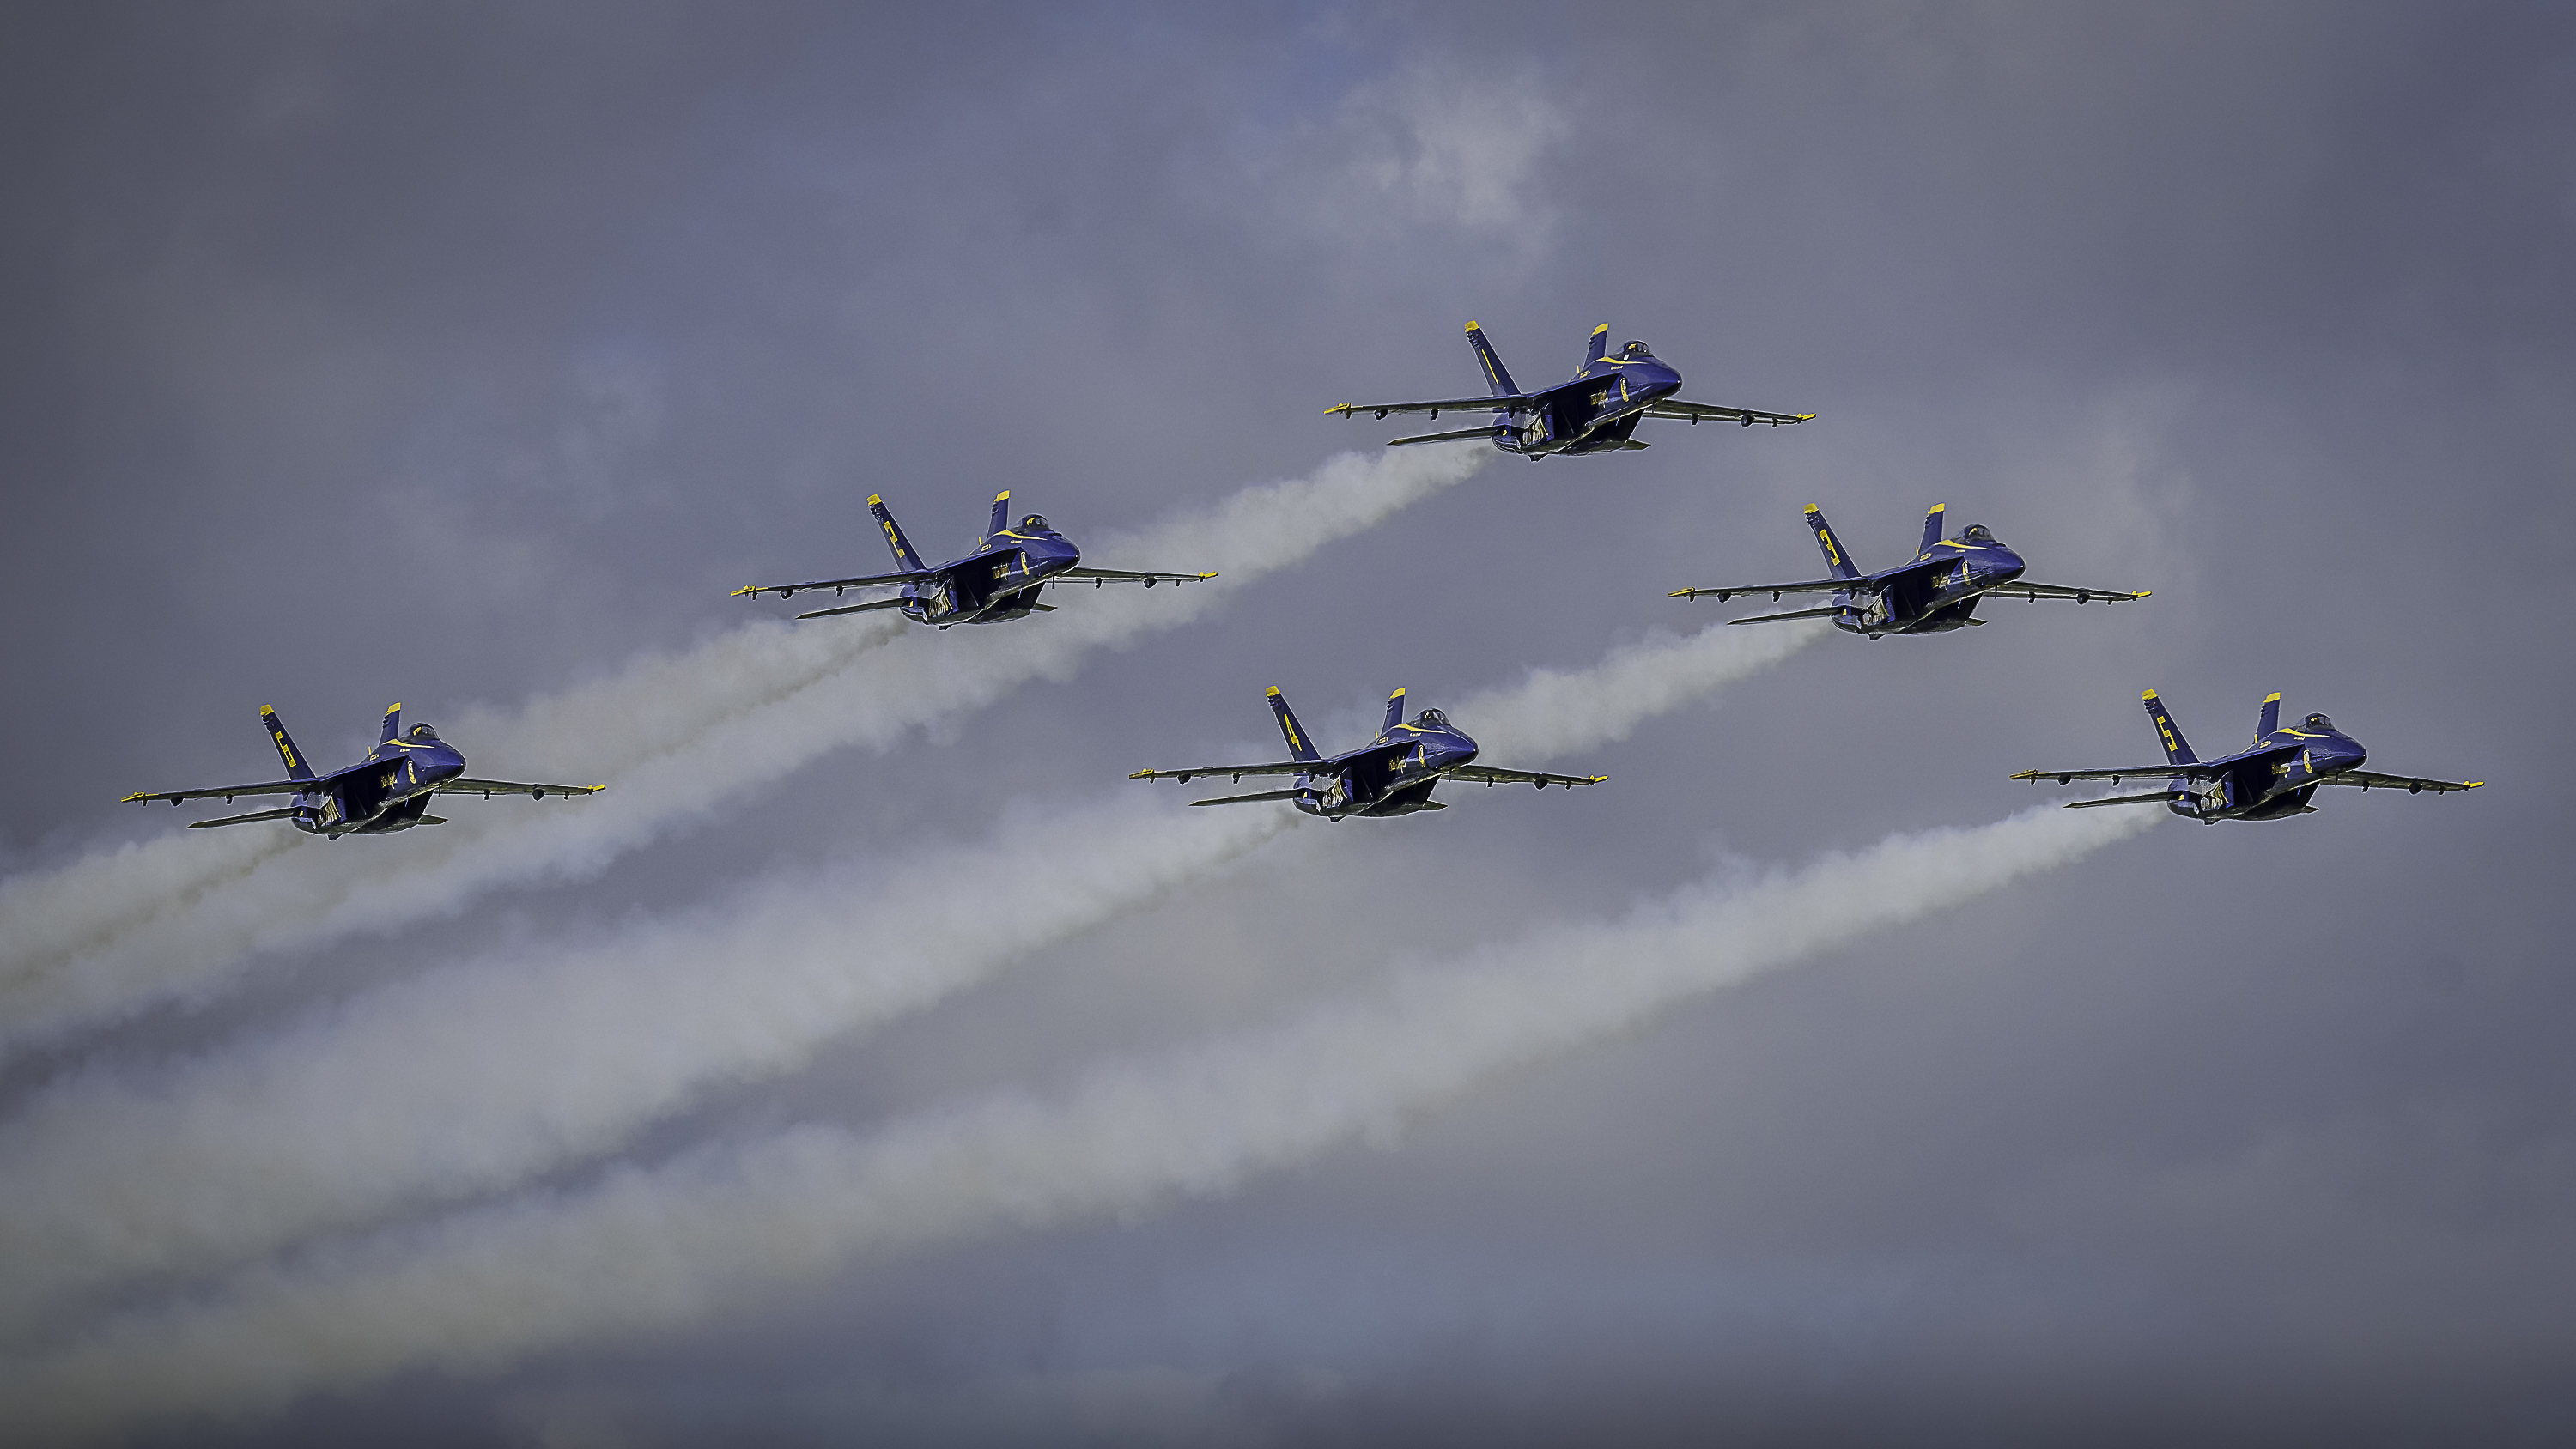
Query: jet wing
x=1512 y=403
x=2143 y=772
x=1807 y=586
x=2025 y=589
x=864 y=581
x=272 y=787
x=1128 y=576
x=489 y=788
x=1542 y=779
x=1710 y=412
x=2372 y=779
x=1237 y=772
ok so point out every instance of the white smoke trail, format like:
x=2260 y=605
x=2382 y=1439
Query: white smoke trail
x=467 y=1081
x=675 y=735
x=660 y=1248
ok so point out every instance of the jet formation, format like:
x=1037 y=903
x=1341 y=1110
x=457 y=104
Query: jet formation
x=1003 y=576
x=387 y=791
x=1392 y=774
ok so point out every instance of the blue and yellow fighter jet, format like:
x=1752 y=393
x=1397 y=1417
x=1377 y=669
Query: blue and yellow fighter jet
x=1390 y=775
x=1595 y=413
x=1933 y=592
x=2272 y=780
x=998 y=580
x=388 y=790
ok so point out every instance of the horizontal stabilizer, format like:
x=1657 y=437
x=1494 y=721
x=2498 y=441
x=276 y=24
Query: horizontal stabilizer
x=897 y=602
x=1829 y=609
x=1249 y=799
x=2160 y=795
x=1494 y=431
x=278 y=814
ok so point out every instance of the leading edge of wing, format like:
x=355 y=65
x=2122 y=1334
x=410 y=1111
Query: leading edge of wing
x=281 y=813
x=864 y=581
x=490 y=788
x=272 y=787
x=1711 y=412
x=1494 y=775
x=1128 y=576
x=2202 y=771
x=2018 y=589
x=2412 y=785
x=1511 y=403
x=1237 y=772
x=1804 y=586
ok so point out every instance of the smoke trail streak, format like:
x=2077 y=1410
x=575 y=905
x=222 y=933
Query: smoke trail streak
x=676 y=735
x=471 y=1080
x=666 y=1247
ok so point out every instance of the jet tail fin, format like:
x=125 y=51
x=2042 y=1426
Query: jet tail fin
x=1836 y=561
x=2269 y=720
x=1932 y=523
x=1001 y=515
x=1394 y=711
x=2177 y=749
x=393 y=724
x=1299 y=747
x=904 y=556
x=296 y=769
x=1600 y=348
x=1497 y=376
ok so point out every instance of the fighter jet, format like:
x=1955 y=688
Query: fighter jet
x=2272 y=780
x=998 y=580
x=1595 y=413
x=1390 y=775
x=1933 y=592
x=389 y=790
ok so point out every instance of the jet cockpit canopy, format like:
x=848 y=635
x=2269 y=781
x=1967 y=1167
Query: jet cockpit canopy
x=424 y=734
x=1034 y=523
x=1977 y=533
x=1431 y=717
x=2317 y=722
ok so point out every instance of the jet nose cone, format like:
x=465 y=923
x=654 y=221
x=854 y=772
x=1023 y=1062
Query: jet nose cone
x=2002 y=561
x=444 y=765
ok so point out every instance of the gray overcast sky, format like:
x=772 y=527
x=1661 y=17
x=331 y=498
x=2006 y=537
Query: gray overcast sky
x=459 y=354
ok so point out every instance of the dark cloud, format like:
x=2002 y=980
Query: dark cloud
x=453 y=355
